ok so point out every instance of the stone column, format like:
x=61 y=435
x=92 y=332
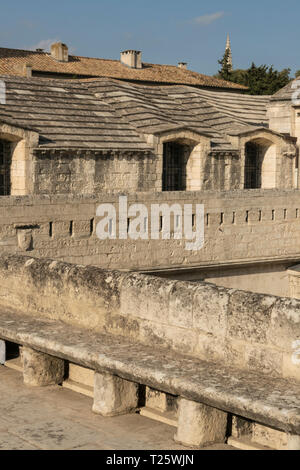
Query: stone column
x=114 y=396
x=200 y=425
x=2 y=352
x=40 y=369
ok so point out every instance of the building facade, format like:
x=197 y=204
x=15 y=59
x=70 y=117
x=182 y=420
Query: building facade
x=90 y=136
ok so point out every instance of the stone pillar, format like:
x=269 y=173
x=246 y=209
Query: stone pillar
x=40 y=369
x=200 y=425
x=2 y=352
x=114 y=396
x=293 y=442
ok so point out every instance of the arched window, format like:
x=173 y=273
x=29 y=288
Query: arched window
x=174 y=166
x=252 y=166
x=5 y=165
x=260 y=164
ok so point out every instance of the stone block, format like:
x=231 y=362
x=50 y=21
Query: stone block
x=181 y=304
x=146 y=297
x=284 y=327
x=249 y=316
x=40 y=369
x=2 y=352
x=265 y=360
x=269 y=437
x=210 y=309
x=200 y=425
x=293 y=442
x=160 y=401
x=114 y=396
x=241 y=427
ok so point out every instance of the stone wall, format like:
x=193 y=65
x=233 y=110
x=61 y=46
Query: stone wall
x=237 y=328
x=87 y=172
x=242 y=227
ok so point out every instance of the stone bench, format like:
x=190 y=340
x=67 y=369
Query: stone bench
x=207 y=392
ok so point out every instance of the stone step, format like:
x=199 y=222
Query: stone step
x=167 y=417
x=79 y=387
x=15 y=364
x=245 y=443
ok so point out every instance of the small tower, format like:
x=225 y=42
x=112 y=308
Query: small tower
x=228 y=48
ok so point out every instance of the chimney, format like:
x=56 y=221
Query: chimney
x=132 y=59
x=59 y=51
x=27 y=70
x=182 y=65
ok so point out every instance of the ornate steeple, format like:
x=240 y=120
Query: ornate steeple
x=228 y=48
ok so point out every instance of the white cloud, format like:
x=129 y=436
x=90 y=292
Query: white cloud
x=208 y=19
x=44 y=44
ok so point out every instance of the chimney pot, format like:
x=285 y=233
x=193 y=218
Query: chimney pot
x=182 y=65
x=60 y=52
x=132 y=59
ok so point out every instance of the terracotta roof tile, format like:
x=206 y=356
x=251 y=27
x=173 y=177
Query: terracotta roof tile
x=13 y=61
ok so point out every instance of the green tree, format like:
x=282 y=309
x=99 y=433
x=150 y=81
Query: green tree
x=261 y=80
x=225 y=72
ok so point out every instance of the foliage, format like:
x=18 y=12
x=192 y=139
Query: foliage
x=261 y=80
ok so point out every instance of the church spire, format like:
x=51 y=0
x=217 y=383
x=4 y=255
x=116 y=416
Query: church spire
x=228 y=48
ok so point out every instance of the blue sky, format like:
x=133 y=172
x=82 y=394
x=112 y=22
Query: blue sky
x=167 y=31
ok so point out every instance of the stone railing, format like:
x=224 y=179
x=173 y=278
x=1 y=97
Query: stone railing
x=250 y=331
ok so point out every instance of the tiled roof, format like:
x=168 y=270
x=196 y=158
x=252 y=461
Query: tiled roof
x=151 y=109
x=285 y=93
x=13 y=61
x=112 y=114
x=66 y=115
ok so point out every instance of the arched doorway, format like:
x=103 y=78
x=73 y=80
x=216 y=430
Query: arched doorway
x=5 y=167
x=260 y=164
x=175 y=157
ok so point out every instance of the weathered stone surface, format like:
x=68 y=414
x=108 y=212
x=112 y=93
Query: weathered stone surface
x=146 y=297
x=2 y=352
x=249 y=316
x=210 y=308
x=241 y=427
x=229 y=244
x=200 y=425
x=272 y=401
x=241 y=334
x=267 y=360
x=181 y=304
x=160 y=401
x=269 y=437
x=114 y=396
x=40 y=369
x=284 y=327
